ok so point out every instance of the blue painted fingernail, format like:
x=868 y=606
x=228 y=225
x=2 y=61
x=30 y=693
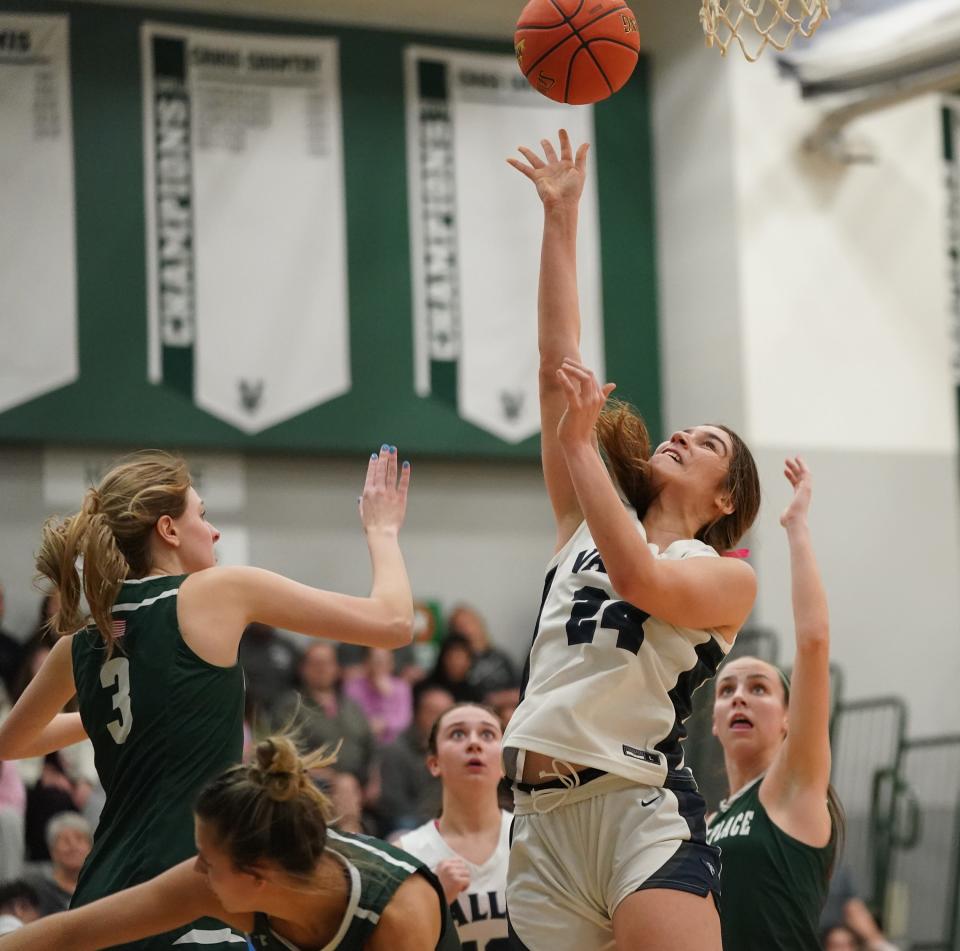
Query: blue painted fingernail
x=406 y=465
x=384 y=447
x=393 y=449
x=373 y=456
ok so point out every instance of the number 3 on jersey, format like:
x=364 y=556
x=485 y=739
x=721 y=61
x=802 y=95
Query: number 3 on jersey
x=620 y=616
x=116 y=674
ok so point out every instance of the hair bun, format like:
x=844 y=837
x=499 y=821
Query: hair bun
x=279 y=767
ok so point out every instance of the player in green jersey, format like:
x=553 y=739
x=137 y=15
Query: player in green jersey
x=269 y=866
x=779 y=828
x=154 y=665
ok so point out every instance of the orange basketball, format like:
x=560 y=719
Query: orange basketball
x=577 y=51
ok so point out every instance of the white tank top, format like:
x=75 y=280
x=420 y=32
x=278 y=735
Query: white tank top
x=480 y=911
x=605 y=685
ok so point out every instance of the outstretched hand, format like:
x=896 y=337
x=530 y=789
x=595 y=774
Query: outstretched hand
x=383 y=504
x=798 y=475
x=585 y=399
x=558 y=180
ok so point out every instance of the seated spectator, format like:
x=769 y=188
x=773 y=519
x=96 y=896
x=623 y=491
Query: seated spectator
x=840 y=938
x=11 y=652
x=69 y=839
x=353 y=656
x=323 y=716
x=18 y=905
x=52 y=794
x=492 y=669
x=410 y=794
x=845 y=910
x=13 y=803
x=346 y=795
x=452 y=670
x=269 y=665
x=385 y=699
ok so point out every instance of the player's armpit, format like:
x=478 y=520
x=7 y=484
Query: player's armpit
x=411 y=921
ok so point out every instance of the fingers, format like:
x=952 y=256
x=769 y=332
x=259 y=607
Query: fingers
x=391 y=469
x=520 y=167
x=548 y=149
x=581 y=159
x=531 y=157
x=404 y=486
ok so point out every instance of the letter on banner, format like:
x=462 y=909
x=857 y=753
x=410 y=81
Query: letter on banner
x=246 y=228
x=38 y=316
x=475 y=236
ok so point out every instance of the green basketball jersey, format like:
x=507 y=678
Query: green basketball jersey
x=163 y=723
x=376 y=870
x=773 y=886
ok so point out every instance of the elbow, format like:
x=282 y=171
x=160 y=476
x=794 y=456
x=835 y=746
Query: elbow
x=398 y=631
x=814 y=641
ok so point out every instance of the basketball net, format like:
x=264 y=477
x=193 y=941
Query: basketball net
x=757 y=24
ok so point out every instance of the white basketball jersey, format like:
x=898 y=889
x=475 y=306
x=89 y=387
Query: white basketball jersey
x=480 y=911
x=606 y=685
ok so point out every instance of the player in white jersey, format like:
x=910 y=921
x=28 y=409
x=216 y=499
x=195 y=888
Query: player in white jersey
x=638 y=610
x=468 y=847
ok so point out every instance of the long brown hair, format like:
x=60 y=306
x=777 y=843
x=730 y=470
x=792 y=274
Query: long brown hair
x=111 y=533
x=625 y=443
x=270 y=808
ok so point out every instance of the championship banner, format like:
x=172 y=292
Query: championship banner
x=246 y=224
x=475 y=230
x=38 y=317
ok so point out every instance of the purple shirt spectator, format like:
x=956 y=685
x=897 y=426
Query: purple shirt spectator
x=386 y=701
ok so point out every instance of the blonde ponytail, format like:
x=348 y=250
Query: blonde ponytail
x=111 y=534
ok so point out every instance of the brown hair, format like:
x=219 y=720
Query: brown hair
x=111 y=533
x=435 y=729
x=270 y=808
x=625 y=442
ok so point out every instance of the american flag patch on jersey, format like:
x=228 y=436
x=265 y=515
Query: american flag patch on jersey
x=119 y=628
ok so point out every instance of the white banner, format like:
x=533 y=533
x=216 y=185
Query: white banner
x=220 y=479
x=246 y=223
x=475 y=228
x=38 y=308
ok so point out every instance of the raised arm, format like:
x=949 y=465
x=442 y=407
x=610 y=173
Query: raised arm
x=35 y=725
x=559 y=183
x=174 y=898
x=796 y=783
x=701 y=593
x=217 y=604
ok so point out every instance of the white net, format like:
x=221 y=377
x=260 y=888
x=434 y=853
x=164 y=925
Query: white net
x=757 y=24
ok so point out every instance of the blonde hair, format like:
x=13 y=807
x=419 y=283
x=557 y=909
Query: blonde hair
x=111 y=533
x=270 y=808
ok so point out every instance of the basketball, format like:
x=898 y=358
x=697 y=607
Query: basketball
x=577 y=51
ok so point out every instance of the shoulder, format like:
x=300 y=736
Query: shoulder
x=413 y=918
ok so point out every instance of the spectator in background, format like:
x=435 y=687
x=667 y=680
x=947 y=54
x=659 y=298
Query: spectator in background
x=346 y=795
x=69 y=839
x=53 y=793
x=845 y=911
x=410 y=795
x=352 y=657
x=385 y=699
x=269 y=665
x=323 y=716
x=452 y=669
x=492 y=670
x=13 y=802
x=18 y=905
x=840 y=938
x=11 y=651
